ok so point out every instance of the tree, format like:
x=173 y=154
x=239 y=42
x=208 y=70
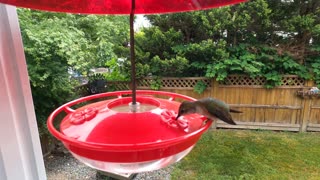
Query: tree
x=49 y=43
x=107 y=37
x=265 y=38
x=155 y=53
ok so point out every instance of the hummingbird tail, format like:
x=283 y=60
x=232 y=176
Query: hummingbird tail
x=229 y=121
x=235 y=111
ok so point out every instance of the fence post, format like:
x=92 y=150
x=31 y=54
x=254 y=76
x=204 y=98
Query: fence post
x=306 y=109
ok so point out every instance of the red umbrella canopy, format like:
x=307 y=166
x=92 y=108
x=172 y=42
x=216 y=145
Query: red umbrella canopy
x=120 y=6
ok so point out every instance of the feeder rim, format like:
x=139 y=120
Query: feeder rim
x=118 y=147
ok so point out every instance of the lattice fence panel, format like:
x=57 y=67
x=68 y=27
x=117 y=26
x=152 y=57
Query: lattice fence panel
x=292 y=81
x=119 y=85
x=241 y=80
x=145 y=83
x=172 y=83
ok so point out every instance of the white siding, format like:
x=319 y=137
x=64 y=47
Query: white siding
x=20 y=150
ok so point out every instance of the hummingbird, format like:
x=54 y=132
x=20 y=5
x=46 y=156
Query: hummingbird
x=209 y=107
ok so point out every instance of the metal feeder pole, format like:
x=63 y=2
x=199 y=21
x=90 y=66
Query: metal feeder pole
x=132 y=55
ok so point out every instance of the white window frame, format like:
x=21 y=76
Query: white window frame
x=20 y=151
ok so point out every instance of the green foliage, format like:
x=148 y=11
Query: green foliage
x=252 y=155
x=105 y=37
x=155 y=54
x=258 y=38
x=316 y=71
x=48 y=44
x=156 y=83
x=259 y=60
x=116 y=69
x=142 y=70
x=201 y=54
x=168 y=67
x=200 y=87
x=187 y=24
x=157 y=42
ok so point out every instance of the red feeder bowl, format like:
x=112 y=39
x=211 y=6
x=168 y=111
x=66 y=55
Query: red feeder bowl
x=114 y=136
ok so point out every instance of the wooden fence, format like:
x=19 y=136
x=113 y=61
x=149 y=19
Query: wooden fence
x=289 y=107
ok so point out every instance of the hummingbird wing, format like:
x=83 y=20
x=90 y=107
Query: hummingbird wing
x=219 y=109
x=222 y=114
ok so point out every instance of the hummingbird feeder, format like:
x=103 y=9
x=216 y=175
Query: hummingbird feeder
x=111 y=136
x=130 y=131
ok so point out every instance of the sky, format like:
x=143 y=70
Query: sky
x=140 y=22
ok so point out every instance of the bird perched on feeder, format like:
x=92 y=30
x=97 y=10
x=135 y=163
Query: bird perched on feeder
x=209 y=107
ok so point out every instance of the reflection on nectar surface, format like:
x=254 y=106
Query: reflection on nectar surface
x=134 y=108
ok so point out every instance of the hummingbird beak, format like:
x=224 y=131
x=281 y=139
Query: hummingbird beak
x=178 y=116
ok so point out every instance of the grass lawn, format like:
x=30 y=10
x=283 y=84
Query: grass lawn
x=226 y=154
